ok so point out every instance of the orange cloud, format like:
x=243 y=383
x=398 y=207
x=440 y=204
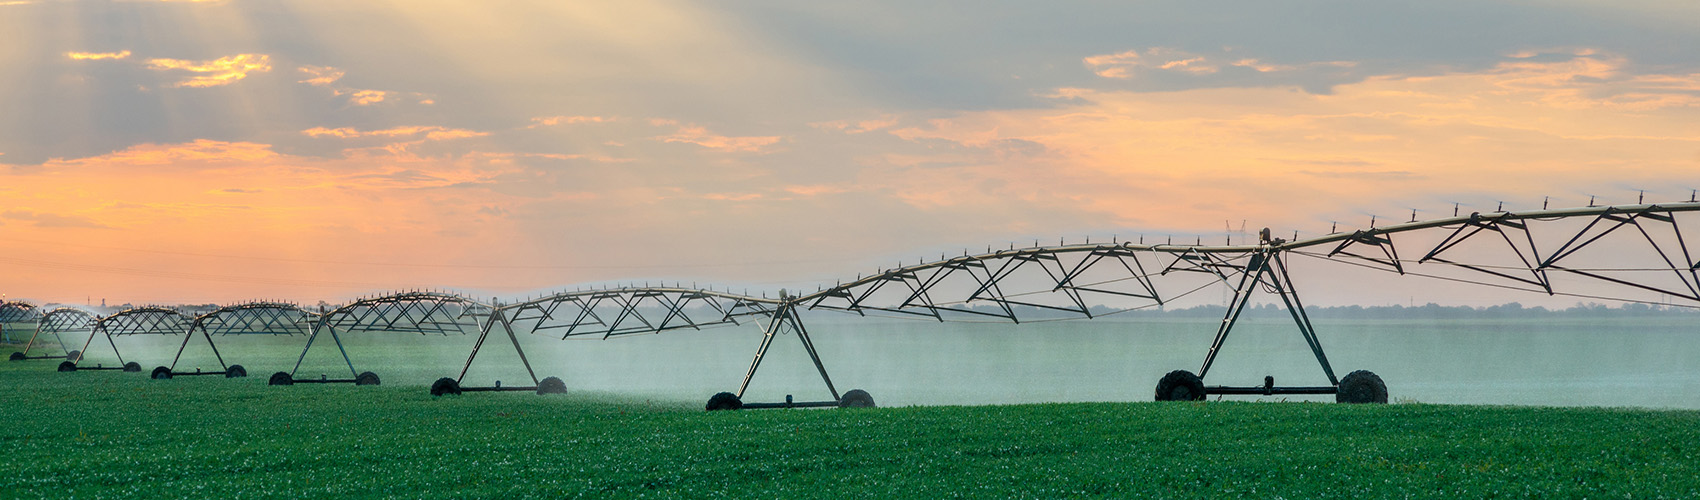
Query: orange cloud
x=286 y=238
x=43 y=219
x=691 y=134
x=326 y=76
x=1122 y=65
x=366 y=97
x=175 y=198
x=430 y=132
x=508 y=157
x=733 y=196
x=200 y=150
x=815 y=190
x=1525 y=128
x=550 y=121
x=320 y=76
x=96 y=56
x=217 y=72
x=857 y=127
x=1262 y=67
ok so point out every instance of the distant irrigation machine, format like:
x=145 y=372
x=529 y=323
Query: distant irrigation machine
x=137 y=321
x=419 y=312
x=247 y=318
x=1637 y=252
x=55 y=324
x=17 y=311
x=1536 y=251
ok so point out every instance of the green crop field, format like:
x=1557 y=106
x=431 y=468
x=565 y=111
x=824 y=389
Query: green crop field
x=120 y=435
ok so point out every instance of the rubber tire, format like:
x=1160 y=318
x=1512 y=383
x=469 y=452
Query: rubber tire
x=366 y=378
x=234 y=371
x=856 y=398
x=132 y=367
x=1362 y=386
x=724 y=401
x=17 y=356
x=67 y=366
x=281 y=378
x=445 y=386
x=1180 y=385
x=161 y=373
x=74 y=356
x=551 y=385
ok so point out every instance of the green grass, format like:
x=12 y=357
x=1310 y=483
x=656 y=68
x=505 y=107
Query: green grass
x=118 y=435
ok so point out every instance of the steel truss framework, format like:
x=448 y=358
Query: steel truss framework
x=1038 y=283
x=18 y=311
x=247 y=318
x=613 y=312
x=59 y=321
x=146 y=320
x=602 y=313
x=1655 y=226
x=426 y=313
x=1134 y=270
x=1043 y=283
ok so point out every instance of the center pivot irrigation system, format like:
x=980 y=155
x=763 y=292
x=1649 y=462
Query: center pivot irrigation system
x=1631 y=253
x=54 y=322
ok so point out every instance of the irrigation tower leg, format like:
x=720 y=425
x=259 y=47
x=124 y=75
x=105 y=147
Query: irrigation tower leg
x=180 y=350
x=809 y=344
x=787 y=314
x=766 y=340
x=214 y=346
x=1242 y=295
x=1290 y=296
x=310 y=337
x=339 y=348
x=338 y=340
x=32 y=339
x=115 y=349
x=483 y=333
x=512 y=338
x=86 y=343
x=1267 y=269
x=497 y=317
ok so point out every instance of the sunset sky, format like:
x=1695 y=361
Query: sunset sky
x=210 y=151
